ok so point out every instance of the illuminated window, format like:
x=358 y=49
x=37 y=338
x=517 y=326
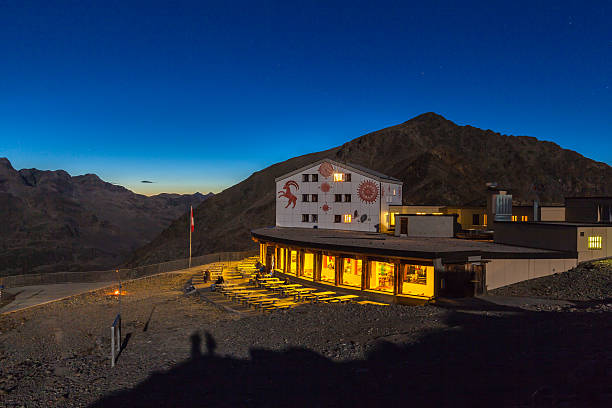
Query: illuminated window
x=328 y=269
x=394 y=192
x=293 y=262
x=484 y=219
x=438 y=213
x=392 y=221
x=351 y=273
x=523 y=218
x=381 y=277
x=338 y=177
x=347 y=218
x=309 y=265
x=514 y=218
x=594 y=243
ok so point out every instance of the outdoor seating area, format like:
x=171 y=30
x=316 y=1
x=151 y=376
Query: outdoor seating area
x=270 y=294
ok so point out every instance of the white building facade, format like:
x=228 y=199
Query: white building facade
x=332 y=195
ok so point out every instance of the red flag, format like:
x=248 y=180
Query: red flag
x=192 y=224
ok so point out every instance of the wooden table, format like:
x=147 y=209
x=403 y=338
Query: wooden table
x=298 y=292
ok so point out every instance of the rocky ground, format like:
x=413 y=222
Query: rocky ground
x=181 y=351
x=586 y=282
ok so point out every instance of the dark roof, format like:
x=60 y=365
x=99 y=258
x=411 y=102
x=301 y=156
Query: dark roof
x=558 y=223
x=449 y=249
x=359 y=169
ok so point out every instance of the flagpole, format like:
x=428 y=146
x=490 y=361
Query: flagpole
x=190 y=228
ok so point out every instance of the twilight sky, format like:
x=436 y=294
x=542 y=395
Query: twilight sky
x=196 y=96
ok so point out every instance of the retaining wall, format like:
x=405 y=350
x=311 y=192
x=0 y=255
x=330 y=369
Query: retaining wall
x=130 y=273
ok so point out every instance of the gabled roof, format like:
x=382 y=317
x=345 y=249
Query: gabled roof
x=353 y=167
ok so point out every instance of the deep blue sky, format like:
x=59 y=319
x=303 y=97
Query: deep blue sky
x=198 y=95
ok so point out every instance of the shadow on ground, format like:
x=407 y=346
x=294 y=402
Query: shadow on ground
x=526 y=359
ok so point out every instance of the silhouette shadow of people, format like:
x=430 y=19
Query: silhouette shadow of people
x=211 y=344
x=196 y=342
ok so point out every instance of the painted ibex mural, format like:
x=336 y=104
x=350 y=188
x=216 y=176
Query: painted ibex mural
x=288 y=194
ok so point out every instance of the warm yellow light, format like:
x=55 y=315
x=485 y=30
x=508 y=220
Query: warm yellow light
x=484 y=217
x=594 y=243
x=514 y=218
x=338 y=176
x=392 y=221
x=438 y=213
x=116 y=292
x=421 y=213
x=347 y=218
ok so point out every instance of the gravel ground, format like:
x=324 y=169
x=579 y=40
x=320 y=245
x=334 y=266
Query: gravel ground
x=181 y=351
x=589 y=281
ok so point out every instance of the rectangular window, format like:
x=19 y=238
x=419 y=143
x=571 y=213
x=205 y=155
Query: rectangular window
x=523 y=218
x=305 y=198
x=392 y=220
x=293 y=262
x=304 y=217
x=314 y=218
x=328 y=269
x=514 y=218
x=347 y=218
x=484 y=219
x=314 y=178
x=347 y=177
x=475 y=219
x=381 y=277
x=351 y=273
x=594 y=243
x=305 y=177
x=314 y=198
x=338 y=198
x=309 y=265
x=337 y=218
x=347 y=198
x=416 y=280
x=338 y=176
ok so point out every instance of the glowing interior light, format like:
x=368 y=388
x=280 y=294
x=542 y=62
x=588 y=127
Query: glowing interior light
x=421 y=213
x=338 y=177
x=438 y=213
x=347 y=218
x=594 y=243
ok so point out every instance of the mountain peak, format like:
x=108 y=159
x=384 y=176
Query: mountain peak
x=5 y=163
x=429 y=117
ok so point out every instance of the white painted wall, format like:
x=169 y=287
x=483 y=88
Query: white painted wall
x=370 y=211
x=502 y=272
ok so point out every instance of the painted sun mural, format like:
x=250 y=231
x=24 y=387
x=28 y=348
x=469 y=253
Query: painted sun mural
x=325 y=187
x=326 y=169
x=367 y=191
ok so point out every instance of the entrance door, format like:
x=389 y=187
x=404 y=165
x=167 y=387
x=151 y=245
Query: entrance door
x=477 y=279
x=404 y=226
x=269 y=255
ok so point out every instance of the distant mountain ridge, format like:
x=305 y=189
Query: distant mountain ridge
x=51 y=221
x=438 y=161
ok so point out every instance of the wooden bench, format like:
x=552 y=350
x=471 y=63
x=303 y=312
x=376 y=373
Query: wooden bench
x=338 y=299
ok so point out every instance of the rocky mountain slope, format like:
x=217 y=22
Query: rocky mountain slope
x=438 y=161
x=51 y=221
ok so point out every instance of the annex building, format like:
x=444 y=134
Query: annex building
x=342 y=225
